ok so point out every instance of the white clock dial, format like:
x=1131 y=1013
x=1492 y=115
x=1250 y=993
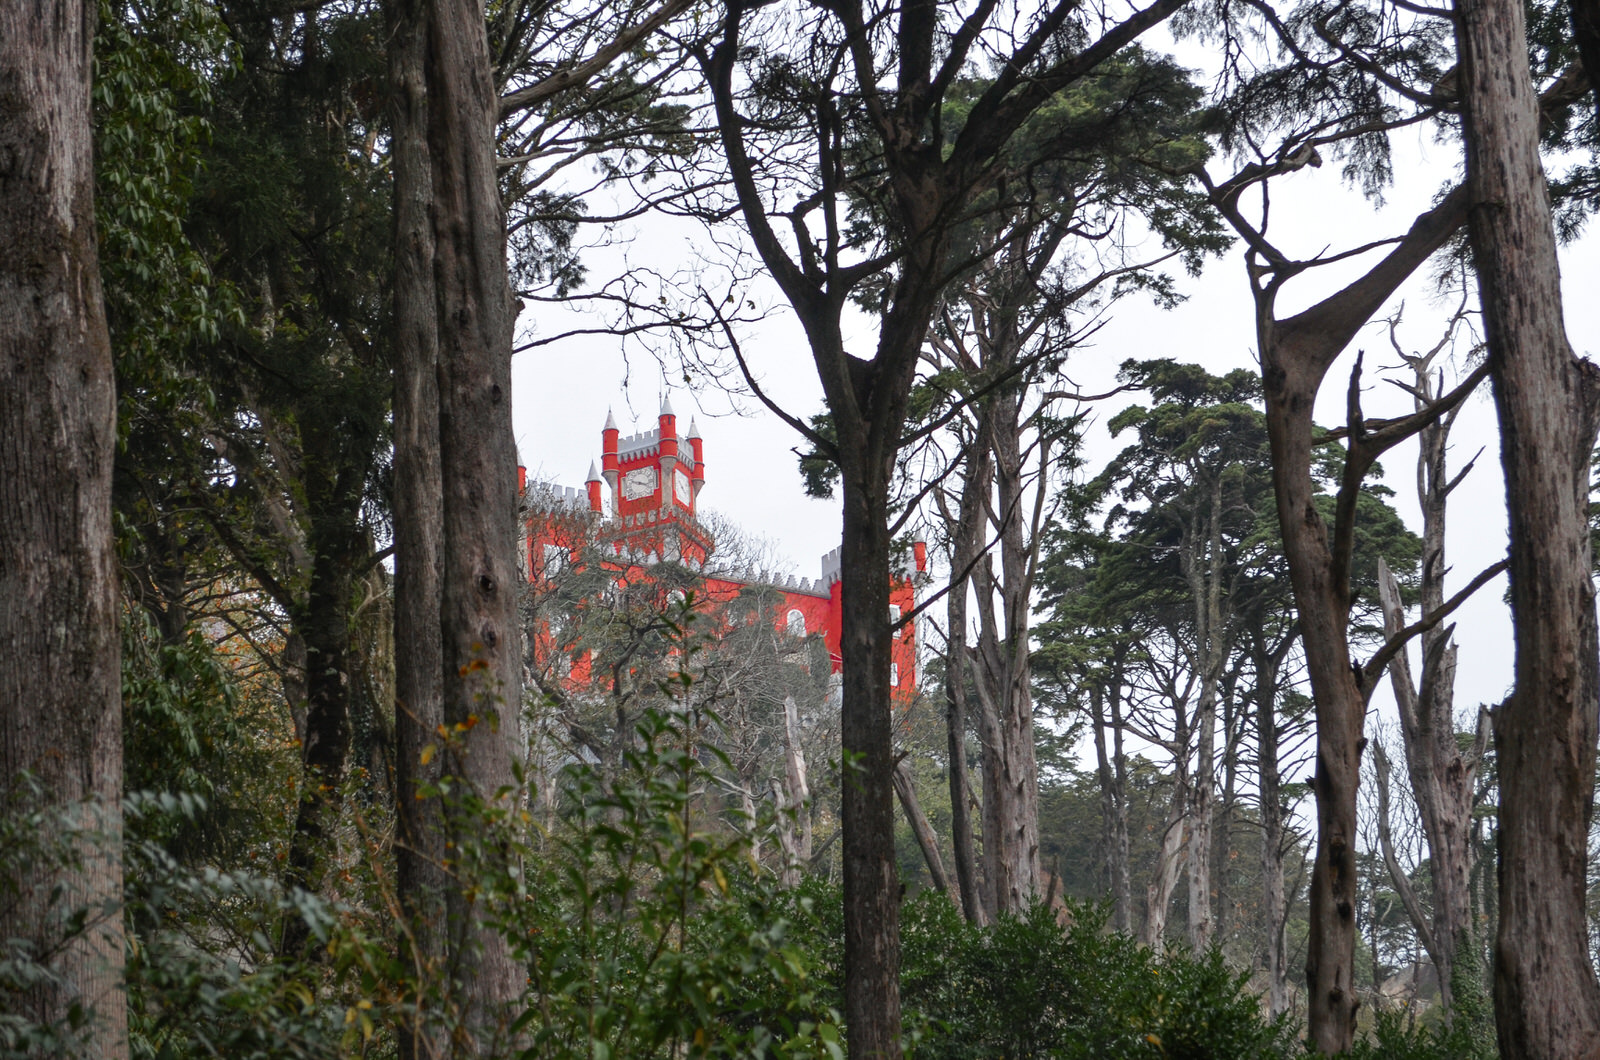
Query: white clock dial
x=640 y=482
x=680 y=486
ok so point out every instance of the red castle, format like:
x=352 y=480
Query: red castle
x=654 y=480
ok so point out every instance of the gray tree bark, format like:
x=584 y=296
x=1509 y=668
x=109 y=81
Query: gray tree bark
x=1443 y=777
x=1547 y=1001
x=419 y=495
x=60 y=686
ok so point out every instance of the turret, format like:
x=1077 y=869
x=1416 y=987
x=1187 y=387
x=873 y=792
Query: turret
x=669 y=450
x=697 y=447
x=596 y=503
x=608 y=451
x=669 y=431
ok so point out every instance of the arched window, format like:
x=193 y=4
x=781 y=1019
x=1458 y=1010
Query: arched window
x=894 y=675
x=797 y=623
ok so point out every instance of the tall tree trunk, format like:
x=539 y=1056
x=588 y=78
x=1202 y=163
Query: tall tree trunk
x=418 y=529
x=965 y=545
x=871 y=878
x=482 y=641
x=1547 y=1001
x=1113 y=794
x=1222 y=835
x=1442 y=776
x=1322 y=593
x=1202 y=566
x=60 y=702
x=1017 y=813
x=1270 y=786
x=1003 y=678
x=1164 y=875
x=324 y=627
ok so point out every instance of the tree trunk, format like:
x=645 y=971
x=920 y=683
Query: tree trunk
x=1266 y=665
x=921 y=829
x=1011 y=780
x=1164 y=876
x=60 y=701
x=418 y=529
x=482 y=642
x=1113 y=794
x=324 y=628
x=1202 y=560
x=965 y=545
x=1323 y=599
x=871 y=878
x=798 y=787
x=1547 y=1001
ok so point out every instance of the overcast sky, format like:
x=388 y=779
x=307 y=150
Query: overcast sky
x=562 y=392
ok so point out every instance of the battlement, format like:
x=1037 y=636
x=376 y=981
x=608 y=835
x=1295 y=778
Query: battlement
x=645 y=443
x=548 y=496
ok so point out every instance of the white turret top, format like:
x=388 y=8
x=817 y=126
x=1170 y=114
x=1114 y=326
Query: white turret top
x=694 y=429
x=611 y=421
x=594 y=475
x=666 y=405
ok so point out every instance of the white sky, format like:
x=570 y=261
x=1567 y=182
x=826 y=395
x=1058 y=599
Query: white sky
x=561 y=393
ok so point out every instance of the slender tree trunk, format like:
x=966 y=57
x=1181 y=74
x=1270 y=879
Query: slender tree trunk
x=1203 y=567
x=1442 y=776
x=1547 y=1001
x=871 y=878
x=921 y=829
x=1121 y=881
x=1169 y=857
x=963 y=554
x=419 y=495
x=1013 y=847
x=60 y=701
x=1266 y=666
x=324 y=627
x=482 y=688
x=1113 y=804
x=797 y=792
x=1222 y=835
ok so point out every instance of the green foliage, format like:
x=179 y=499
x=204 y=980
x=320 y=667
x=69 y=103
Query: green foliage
x=38 y=842
x=1030 y=987
x=154 y=66
x=203 y=979
x=1398 y=1034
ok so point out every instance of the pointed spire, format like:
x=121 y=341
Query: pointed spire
x=666 y=404
x=594 y=475
x=694 y=429
x=611 y=421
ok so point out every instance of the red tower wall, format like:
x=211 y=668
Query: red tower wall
x=642 y=530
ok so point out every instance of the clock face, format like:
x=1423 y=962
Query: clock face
x=680 y=486
x=640 y=482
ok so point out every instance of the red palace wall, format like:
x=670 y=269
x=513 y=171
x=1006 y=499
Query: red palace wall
x=655 y=480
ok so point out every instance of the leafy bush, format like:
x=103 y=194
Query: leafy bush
x=1029 y=987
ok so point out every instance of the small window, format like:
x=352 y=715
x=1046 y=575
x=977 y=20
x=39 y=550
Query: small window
x=894 y=614
x=894 y=675
x=555 y=558
x=797 y=623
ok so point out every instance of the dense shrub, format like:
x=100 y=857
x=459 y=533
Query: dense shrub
x=1029 y=987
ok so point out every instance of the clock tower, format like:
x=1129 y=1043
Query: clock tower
x=655 y=479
